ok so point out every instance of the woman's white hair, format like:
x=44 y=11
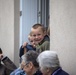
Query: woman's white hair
x=48 y=59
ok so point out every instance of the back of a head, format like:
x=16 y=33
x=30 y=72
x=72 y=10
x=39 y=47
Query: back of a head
x=31 y=56
x=48 y=59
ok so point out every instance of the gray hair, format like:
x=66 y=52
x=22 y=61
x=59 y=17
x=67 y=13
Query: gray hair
x=48 y=59
x=31 y=56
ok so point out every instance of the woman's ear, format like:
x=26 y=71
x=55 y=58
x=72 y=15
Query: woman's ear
x=48 y=70
x=30 y=65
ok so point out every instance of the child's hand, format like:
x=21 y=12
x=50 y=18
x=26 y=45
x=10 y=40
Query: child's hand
x=24 y=44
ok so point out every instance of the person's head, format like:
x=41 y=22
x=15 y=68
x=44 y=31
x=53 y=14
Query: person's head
x=31 y=39
x=38 y=32
x=29 y=62
x=48 y=62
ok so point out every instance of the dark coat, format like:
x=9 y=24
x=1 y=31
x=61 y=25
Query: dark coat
x=38 y=72
x=7 y=67
x=28 y=47
x=3 y=70
x=59 y=71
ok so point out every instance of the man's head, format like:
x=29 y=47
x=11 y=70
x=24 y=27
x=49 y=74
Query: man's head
x=48 y=62
x=29 y=62
x=38 y=32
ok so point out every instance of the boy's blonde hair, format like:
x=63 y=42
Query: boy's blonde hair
x=30 y=35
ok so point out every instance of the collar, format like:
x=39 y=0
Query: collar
x=46 y=38
x=56 y=71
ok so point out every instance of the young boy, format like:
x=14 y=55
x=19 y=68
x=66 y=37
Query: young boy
x=26 y=47
x=41 y=39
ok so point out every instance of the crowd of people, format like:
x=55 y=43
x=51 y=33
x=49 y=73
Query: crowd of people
x=36 y=58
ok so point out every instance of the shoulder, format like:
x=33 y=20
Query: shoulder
x=46 y=38
x=64 y=73
x=60 y=72
x=45 y=43
x=30 y=47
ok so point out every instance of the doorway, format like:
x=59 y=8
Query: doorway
x=32 y=11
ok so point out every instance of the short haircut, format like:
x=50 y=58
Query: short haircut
x=48 y=59
x=31 y=56
x=35 y=26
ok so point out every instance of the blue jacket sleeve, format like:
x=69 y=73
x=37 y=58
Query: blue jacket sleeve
x=18 y=72
x=21 y=51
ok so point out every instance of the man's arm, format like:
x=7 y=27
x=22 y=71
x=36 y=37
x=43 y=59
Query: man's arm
x=9 y=65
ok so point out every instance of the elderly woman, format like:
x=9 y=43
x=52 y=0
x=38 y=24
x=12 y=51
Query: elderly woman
x=49 y=63
x=29 y=64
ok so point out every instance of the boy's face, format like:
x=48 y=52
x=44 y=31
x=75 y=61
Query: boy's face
x=38 y=34
x=32 y=42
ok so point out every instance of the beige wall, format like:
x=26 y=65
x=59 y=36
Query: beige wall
x=16 y=31
x=63 y=32
x=9 y=28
